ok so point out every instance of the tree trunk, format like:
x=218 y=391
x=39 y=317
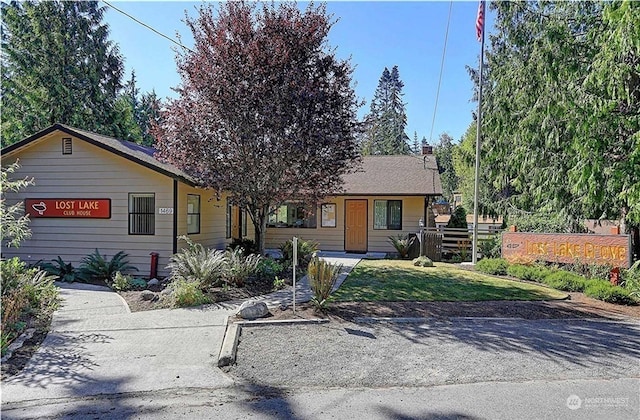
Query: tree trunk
x=260 y=226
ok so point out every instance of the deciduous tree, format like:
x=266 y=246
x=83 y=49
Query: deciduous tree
x=265 y=112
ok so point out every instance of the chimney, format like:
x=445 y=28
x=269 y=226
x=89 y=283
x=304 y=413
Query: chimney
x=427 y=150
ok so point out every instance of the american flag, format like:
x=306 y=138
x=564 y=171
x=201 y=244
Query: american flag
x=480 y=20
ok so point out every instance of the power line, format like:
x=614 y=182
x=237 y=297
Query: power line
x=146 y=26
x=444 y=50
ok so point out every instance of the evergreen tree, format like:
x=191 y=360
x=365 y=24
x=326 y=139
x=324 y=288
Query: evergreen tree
x=415 y=149
x=444 y=157
x=57 y=66
x=561 y=119
x=387 y=119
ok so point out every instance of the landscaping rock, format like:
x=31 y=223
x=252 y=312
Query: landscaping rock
x=147 y=295
x=252 y=309
x=153 y=282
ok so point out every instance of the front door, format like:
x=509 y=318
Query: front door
x=236 y=223
x=355 y=226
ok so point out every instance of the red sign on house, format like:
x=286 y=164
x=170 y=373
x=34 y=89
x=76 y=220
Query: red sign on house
x=91 y=208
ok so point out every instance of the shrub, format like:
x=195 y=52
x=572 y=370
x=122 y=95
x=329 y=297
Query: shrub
x=196 y=263
x=402 y=244
x=458 y=219
x=97 y=267
x=122 y=282
x=495 y=266
x=604 y=291
x=306 y=249
x=423 y=261
x=322 y=278
x=239 y=267
x=526 y=272
x=279 y=283
x=137 y=283
x=631 y=280
x=188 y=293
x=25 y=291
x=590 y=271
x=249 y=246
x=563 y=280
x=63 y=271
x=491 y=247
x=269 y=268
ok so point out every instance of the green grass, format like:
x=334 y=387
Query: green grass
x=396 y=280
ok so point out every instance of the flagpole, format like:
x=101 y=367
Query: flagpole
x=474 y=258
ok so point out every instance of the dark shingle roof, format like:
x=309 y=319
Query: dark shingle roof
x=395 y=175
x=379 y=175
x=137 y=153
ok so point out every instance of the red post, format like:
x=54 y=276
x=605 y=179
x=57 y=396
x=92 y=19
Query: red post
x=614 y=276
x=154 y=265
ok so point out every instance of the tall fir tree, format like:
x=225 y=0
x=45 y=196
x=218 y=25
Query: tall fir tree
x=58 y=66
x=387 y=119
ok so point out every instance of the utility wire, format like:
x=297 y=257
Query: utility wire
x=444 y=50
x=146 y=26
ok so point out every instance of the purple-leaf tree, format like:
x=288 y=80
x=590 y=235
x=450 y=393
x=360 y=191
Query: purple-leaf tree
x=265 y=112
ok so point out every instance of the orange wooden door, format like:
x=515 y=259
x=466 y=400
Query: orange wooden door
x=355 y=226
x=236 y=223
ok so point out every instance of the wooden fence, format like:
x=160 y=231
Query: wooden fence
x=456 y=241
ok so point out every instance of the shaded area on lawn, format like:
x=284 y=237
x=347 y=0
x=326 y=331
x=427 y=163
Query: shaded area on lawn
x=398 y=280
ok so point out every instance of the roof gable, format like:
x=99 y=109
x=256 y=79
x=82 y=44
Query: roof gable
x=142 y=155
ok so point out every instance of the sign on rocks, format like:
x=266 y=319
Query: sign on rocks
x=253 y=309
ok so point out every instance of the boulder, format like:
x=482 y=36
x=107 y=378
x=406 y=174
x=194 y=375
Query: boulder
x=252 y=309
x=147 y=295
x=153 y=282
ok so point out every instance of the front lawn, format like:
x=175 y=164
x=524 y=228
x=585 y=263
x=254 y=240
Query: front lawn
x=400 y=280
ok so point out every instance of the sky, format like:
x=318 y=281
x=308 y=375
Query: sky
x=372 y=34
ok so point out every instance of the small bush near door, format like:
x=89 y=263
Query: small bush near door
x=98 y=267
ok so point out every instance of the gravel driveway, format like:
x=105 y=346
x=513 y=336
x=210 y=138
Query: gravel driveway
x=436 y=352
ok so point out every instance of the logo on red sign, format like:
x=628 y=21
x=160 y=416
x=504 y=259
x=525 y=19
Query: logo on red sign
x=92 y=208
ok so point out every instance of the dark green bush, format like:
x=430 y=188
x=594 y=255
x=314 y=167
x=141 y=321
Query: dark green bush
x=491 y=247
x=269 y=268
x=62 y=270
x=97 y=267
x=564 y=280
x=496 y=266
x=248 y=246
x=604 y=291
x=528 y=272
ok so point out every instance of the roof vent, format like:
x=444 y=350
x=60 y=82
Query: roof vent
x=66 y=146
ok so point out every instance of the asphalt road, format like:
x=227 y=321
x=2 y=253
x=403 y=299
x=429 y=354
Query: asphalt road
x=468 y=369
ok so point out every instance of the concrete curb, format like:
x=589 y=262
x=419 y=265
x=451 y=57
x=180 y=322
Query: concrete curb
x=408 y=320
x=262 y=322
x=229 y=347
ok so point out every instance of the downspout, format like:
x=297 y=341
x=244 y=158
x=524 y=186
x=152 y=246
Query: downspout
x=175 y=216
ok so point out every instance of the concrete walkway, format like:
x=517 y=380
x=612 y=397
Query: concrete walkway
x=97 y=346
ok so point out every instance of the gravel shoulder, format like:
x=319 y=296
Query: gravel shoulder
x=436 y=352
